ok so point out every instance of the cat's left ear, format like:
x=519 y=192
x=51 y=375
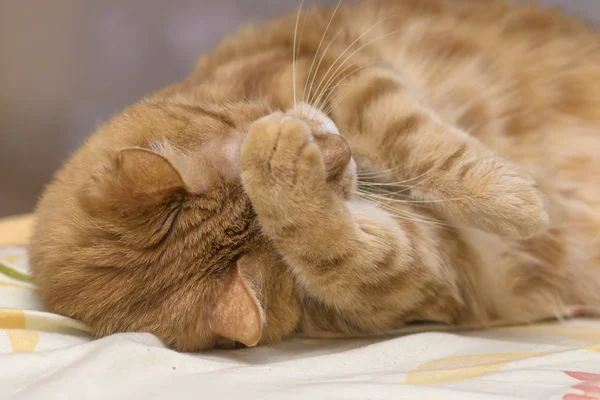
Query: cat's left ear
x=147 y=173
x=137 y=177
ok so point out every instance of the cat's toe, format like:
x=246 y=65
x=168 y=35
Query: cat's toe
x=260 y=144
x=293 y=139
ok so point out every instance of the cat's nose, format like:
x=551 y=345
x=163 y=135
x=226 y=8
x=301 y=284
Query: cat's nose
x=336 y=153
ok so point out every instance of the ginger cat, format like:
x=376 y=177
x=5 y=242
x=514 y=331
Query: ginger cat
x=349 y=169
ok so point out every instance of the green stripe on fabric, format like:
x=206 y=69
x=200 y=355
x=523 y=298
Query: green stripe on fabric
x=13 y=273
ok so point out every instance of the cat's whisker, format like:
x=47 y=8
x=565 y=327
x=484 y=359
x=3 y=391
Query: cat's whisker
x=381 y=190
x=416 y=218
x=318 y=67
x=381 y=173
x=406 y=215
x=302 y=31
x=378 y=173
x=386 y=173
x=334 y=104
x=336 y=101
x=420 y=183
x=356 y=51
x=381 y=184
x=385 y=191
x=332 y=85
x=294 y=51
x=327 y=91
x=344 y=52
x=396 y=200
x=310 y=70
x=331 y=88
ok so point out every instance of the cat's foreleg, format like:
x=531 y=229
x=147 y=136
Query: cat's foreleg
x=388 y=127
x=349 y=255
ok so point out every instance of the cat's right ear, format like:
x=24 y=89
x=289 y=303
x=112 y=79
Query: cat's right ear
x=237 y=313
x=136 y=177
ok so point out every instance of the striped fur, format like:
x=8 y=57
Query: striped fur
x=345 y=170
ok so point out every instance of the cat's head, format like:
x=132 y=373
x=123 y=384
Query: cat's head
x=163 y=237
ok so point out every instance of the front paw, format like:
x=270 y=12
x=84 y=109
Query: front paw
x=281 y=160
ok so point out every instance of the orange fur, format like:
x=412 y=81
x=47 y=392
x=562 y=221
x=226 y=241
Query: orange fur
x=463 y=187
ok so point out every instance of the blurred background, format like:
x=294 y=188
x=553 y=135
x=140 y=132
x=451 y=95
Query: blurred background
x=68 y=65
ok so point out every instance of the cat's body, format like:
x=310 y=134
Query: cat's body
x=237 y=230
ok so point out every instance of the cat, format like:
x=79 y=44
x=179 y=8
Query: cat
x=346 y=170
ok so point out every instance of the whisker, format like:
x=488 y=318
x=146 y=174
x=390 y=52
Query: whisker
x=406 y=215
x=380 y=196
x=360 y=48
x=319 y=48
x=331 y=88
x=344 y=52
x=396 y=200
x=382 y=190
x=302 y=30
x=416 y=219
x=312 y=81
x=420 y=183
x=333 y=76
x=294 y=52
x=387 y=172
x=378 y=184
x=378 y=174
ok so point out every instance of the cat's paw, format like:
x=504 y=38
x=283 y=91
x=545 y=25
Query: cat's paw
x=506 y=202
x=518 y=207
x=280 y=159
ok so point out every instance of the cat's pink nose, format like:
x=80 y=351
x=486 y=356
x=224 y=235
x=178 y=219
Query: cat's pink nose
x=336 y=153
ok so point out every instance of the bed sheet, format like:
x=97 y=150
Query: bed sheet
x=46 y=356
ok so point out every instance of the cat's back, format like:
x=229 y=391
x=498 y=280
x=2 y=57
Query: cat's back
x=476 y=62
x=494 y=60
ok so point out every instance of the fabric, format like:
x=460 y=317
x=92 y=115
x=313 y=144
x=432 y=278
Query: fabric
x=46 y=356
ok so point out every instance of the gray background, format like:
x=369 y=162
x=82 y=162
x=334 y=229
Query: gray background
x=68 y=65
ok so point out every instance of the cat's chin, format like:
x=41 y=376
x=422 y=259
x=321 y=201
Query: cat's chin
x=321 y=122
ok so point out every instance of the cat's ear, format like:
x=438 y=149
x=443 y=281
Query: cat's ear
x=237 y=314
x=147 y=173
x=136 y=177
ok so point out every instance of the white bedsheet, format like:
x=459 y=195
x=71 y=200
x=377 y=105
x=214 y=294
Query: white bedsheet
x=546 y=362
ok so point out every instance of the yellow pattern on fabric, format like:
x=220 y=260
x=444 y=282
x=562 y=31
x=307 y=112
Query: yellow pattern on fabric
x=460 y=368
x=12 y=319
x=23 y=341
